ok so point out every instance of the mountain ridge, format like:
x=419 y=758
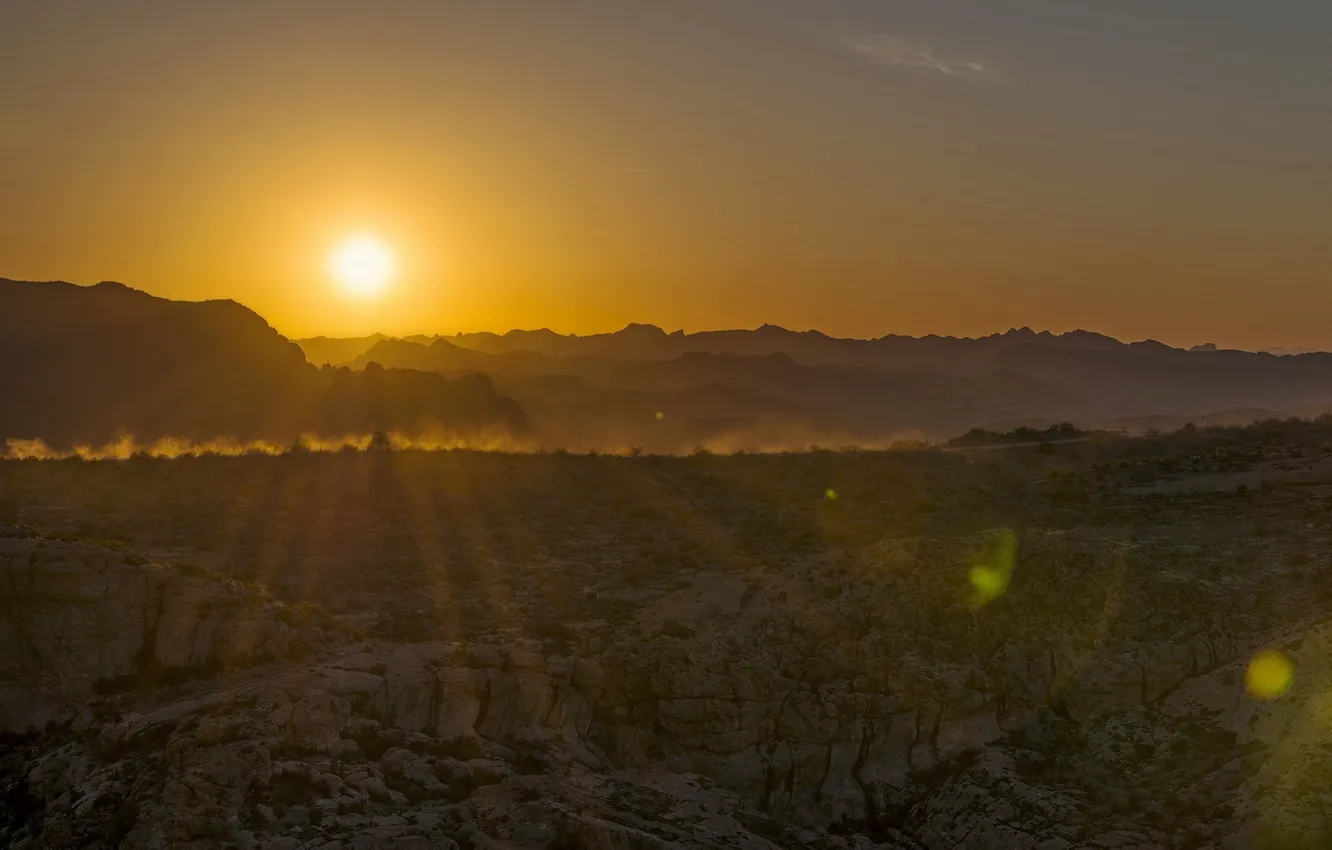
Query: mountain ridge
x=81 y=365
x=87 y=365
x=543 y=340
x=866 y=389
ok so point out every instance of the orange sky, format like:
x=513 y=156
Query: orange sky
x=861 y=167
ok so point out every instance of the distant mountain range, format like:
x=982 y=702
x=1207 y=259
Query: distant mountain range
x=718 y=382
x=959 y=355
x=86 y=364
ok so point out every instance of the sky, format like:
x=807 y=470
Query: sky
x=1145 y=168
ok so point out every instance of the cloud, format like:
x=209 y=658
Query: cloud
x=885 y=49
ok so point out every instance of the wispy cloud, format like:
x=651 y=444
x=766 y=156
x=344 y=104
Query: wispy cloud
x=886 y=49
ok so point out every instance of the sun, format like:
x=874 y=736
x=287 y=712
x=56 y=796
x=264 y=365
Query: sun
x=364 y=266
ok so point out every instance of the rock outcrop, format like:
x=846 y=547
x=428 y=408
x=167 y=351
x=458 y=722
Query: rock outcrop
x=76 y=619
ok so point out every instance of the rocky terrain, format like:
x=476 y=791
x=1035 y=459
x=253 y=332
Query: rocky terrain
x=1038 y=647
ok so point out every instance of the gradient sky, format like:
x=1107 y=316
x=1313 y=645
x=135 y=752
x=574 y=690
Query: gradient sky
x=1140 y=167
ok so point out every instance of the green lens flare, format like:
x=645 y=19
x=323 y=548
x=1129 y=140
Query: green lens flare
x=992 y=570
x=1270 y=675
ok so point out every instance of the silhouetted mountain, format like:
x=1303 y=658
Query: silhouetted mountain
x=1287 y=351
x=955 y=355
x=81 y=364
x=320 y=350
x=413 y=401
x=958 y=355
x=730 y=391
x=882 y=386
x=1150 y=378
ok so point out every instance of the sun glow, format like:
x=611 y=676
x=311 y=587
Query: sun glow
x=364 y=266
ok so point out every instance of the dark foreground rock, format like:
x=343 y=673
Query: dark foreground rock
x=551 y=651
x=273 y=733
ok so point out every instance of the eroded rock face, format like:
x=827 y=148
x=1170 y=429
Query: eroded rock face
x=75 y=616
x=817 y=700
x=435 y=689
x=332 y=756
x=744 y=710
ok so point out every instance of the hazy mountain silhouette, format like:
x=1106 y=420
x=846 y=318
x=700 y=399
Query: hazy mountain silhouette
x=320 y=350
x=82 y=364
x=730 y=389
x=860 y=388
x=1286 y=351
x=1150 y=378
x=962 y=355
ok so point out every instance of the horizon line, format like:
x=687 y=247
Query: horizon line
x=1277 y=350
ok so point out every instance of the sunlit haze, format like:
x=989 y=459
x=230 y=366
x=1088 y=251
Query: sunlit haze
x=857 y=166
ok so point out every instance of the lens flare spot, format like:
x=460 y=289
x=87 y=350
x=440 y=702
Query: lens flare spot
x=660 y=416
x=1270 y=675
x=988 y=582
x=992 y=570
